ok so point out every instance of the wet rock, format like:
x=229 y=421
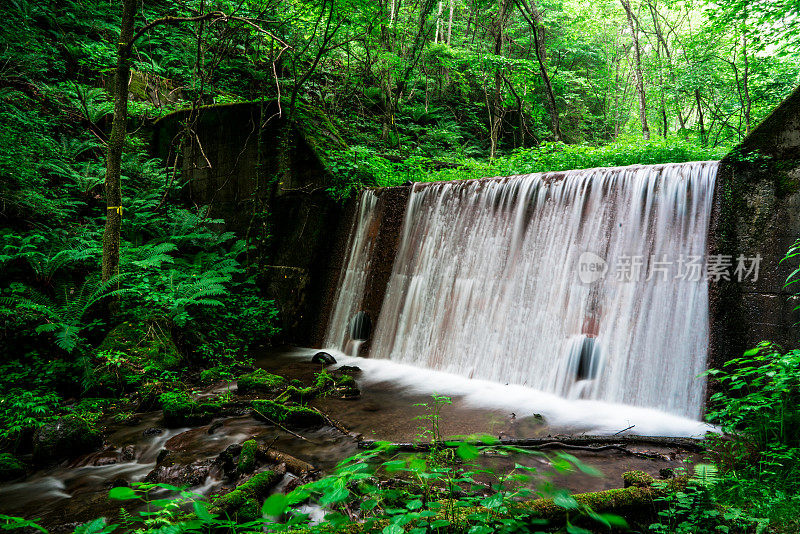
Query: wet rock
x=66 y=437
x=323 y=358
x=214 y=427
x=666 y=473
x=118 y=482
x=260 y=381
x=10 y=468
x=128 y=453
x=351 y=370
x=226 y=460
x=180 y=469
x=153 y=431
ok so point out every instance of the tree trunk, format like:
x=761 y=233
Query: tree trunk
x=116 y=142
x=637 y=68
x=541 y=57
x=450 y=23
x=700 y=117
x=497 y=105
x=748 y=103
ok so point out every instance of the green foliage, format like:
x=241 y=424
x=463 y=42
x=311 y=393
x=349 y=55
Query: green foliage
x=24 y=411
x=759 y=404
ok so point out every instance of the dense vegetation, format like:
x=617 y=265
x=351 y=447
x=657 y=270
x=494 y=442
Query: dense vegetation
x=417 y=90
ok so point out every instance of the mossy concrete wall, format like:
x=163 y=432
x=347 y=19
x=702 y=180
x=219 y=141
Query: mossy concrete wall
x=267 y=180
x=757 y=213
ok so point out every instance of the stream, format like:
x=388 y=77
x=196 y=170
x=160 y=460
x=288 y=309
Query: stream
x=389 y=409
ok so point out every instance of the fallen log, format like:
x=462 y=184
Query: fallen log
x=588 y=443
x=294 y=465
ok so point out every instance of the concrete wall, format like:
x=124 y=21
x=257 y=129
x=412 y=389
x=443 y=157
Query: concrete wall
x=268 y=182
x=757 y=212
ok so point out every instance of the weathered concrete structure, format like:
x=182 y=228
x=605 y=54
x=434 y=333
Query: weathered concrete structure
x=267 y=180
x=757 y=213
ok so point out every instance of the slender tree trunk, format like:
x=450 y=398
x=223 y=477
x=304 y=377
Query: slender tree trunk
x=450 y=23
x=637 y=68
x=533 y=16
x=116 y=142
x=436 y=37
x=497 y=105
x=700 y=117
x=748 y=103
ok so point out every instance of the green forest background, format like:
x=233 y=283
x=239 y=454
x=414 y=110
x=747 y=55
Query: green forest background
x=416 y=90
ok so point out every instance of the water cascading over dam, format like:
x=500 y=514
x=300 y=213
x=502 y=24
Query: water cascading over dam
x=588 y=284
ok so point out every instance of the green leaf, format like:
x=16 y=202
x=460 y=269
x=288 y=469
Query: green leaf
x=275 y=505
x=416 y=504
x=392 y=529
x=122 y=494
x=201 y=511
x=467 y=451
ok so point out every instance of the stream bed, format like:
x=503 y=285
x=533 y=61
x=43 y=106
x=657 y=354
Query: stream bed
x=388 y=409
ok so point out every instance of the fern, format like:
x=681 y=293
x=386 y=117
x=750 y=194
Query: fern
x=63 y=315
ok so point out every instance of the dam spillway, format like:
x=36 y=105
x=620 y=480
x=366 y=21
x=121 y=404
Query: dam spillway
x=588 y=284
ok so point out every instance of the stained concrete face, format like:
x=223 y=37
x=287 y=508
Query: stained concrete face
x=757 y=213
x=267 y=181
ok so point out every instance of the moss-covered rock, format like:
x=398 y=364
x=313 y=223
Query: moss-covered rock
x=126 y=355
x=639 y=479
x=10 y=467
x=346 y=386
x=64 y=438
x=260 y=381
x=297 y=394
x=287 y=415
x=180 y=409
x=247 y=458
x=237 y=500
x=144 y=343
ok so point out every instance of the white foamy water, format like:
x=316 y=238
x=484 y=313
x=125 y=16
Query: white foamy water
x=486 y=285
x=561 y=414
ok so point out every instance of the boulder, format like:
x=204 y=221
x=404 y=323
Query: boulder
x=64 y=438
x=10 y=468
x=324 y=358
x=180 y=469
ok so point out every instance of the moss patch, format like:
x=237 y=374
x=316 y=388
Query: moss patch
x=253 y=489
x=180 y=409
x=260 y=381
x=289 y=416
x=247 y=458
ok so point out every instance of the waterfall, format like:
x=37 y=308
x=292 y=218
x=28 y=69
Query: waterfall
x=353 y=277
x=588 y=284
